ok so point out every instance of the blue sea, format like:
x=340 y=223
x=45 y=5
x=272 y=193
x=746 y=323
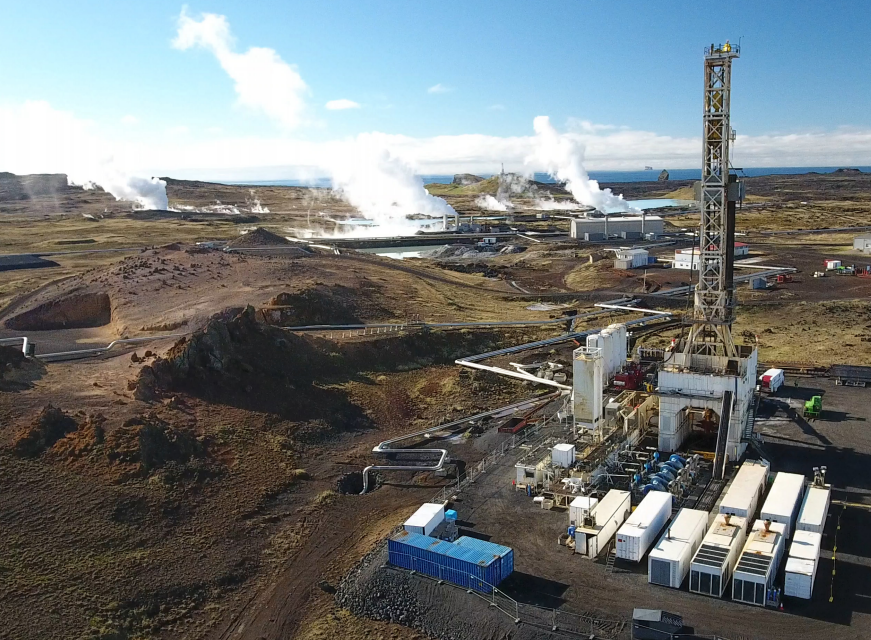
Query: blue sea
x=602 y=176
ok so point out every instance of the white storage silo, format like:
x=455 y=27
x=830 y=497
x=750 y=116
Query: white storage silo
x=587 y=387
x=608 y=353
x=619 y=333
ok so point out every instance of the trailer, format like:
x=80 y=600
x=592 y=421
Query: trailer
x=715 y=560
x=801 y=564
x=784 y=500
x=606 y=517
x=743 y=496
x=757 y=566
x=669 y=562
x=427 y=517
x=771 y=380
x=814 y=509
x=641 y=528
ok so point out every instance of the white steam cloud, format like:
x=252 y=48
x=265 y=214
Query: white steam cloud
x=264 y=82
x=383 y=187
x=37 y=138
x=490 y=203
x=562 y=156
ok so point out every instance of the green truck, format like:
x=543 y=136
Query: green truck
x=813 y=407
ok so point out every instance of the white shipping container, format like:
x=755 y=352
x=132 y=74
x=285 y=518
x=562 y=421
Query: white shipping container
x=742 y=498
x=784 y=500
x=669 y=561
x=609 y=514
x=715 y=560
x=425 y=519
x=641 y=528
x=563 y=455
x=580 y=507
x=814 y=510
x=801 y=565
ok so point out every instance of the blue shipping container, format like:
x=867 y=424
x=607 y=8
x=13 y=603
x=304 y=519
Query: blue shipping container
x=506 y=554
x=465 y=566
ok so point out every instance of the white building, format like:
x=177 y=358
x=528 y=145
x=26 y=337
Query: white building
x=617 y=226
x=689 y=258
x=630 y=258
x=684 y=395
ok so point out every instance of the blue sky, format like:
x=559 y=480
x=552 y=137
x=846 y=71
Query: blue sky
x=630 y=65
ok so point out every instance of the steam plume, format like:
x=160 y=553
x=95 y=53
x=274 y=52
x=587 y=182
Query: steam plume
x=562 y=156
x=490 y=203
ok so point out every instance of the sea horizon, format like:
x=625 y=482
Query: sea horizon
x=646 y=175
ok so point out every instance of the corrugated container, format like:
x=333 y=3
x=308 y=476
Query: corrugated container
x=669 y=561
x=742 y=498
x=563 y=455
x=622 y=264
x=424 y=521
x=465 y=566
x=506 y=554
x=784 y=500
x=801 y=565
x=580 y=507
x=716 y=557
x=758 y=564
x=641 y=528
x=814 y=510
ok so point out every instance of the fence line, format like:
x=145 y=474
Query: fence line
x=519 y=612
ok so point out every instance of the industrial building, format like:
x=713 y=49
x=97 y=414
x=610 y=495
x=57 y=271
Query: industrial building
x=714 y=562
x=801 y=564
x=629 y=227
x=641 y=528
x=784 y=500
x=630 y=258
x=757 y=566
x=669 y=562
x=689 y=258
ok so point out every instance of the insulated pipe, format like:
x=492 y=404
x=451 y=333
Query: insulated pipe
x=98 y=350
x=605 y=305
x=514 y=374
x=384 y=447
x=22 y=339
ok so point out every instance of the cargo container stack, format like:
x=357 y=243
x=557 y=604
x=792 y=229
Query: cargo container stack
x=477 y=565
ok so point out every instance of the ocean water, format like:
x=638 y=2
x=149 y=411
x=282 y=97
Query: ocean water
x=602 y=176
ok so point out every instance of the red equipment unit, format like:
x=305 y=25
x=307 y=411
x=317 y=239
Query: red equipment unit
x=631 y=378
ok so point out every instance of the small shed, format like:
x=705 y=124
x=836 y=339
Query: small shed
x=741 y=249
x=862 y=243
x=633 y=257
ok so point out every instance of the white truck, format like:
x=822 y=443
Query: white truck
x=771 y=381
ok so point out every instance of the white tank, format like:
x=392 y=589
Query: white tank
x=620 y=346
x=608 y=354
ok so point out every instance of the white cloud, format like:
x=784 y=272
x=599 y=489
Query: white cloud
x=439 y=88
x=342 y=104
x=264 y=82
x=130 y=120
